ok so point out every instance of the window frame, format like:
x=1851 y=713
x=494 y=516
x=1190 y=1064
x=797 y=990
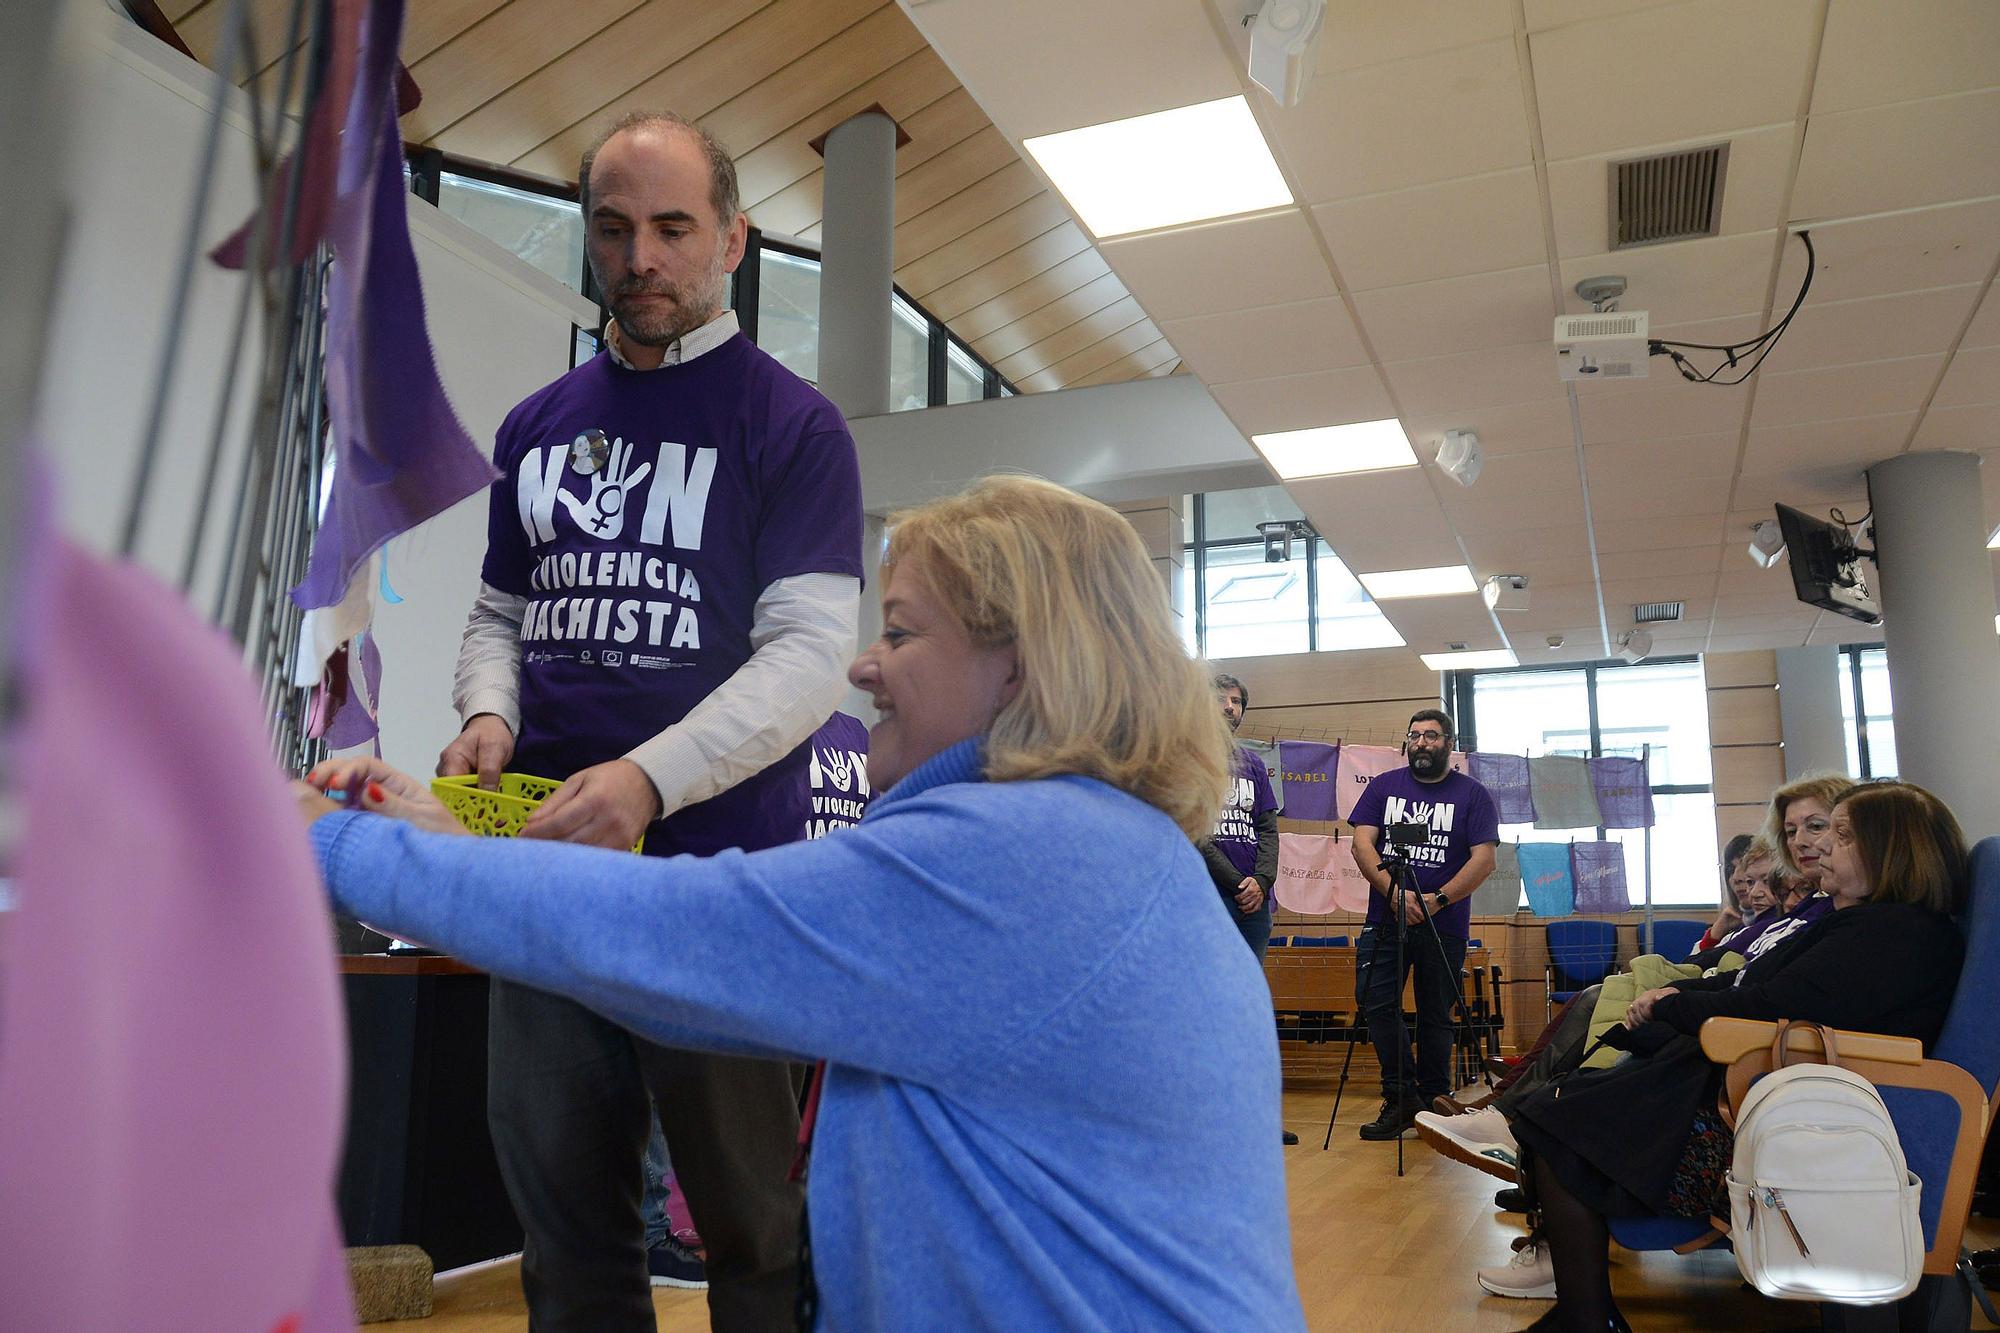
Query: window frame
x=1855 y=695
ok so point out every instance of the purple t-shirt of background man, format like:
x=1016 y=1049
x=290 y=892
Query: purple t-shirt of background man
x=722 y=475
x=1460 y=815
x=836 y=775
x=1249 y=796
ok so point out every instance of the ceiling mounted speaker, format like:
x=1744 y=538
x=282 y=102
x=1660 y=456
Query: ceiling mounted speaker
x=1635 y=645
x=1461 y=457
x=1284 y=38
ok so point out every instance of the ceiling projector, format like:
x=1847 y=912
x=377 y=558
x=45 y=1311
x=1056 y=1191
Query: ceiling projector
x=1609 y=345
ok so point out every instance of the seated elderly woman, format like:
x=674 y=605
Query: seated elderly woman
x=1643 y=1138
x=1047 y=1048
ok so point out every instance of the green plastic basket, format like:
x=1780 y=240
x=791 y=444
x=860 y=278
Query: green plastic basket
x=497 y=814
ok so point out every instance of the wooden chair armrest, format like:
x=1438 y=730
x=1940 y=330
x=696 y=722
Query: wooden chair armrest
x=1727 y=1040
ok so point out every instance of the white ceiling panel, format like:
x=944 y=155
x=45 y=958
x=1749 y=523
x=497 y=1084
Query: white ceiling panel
x=1661 y=75
x=1298 y=402
x=1659 y=534
x=1612 y=501
x=1492 y=377
x=1811 y=489
x=1836 y=630
x=1753 y=189
x=1896 y=156
x=1457 y=314
x=1662 y=407
x=1984 y=331
x=1878 y=51
x=1672 y=562
x=1367 y=32
x=1502 y=547
x=1621 y=595
x=1545 y=14
x=1688 y=280
x=1662 y=462
x=1871 y=388
x=1856 y=440
x=1413 y=545
x=1475 y=516
x=1958 y=428
x=1972 y=380
x=1429 y=624
x=1515 y=429
x=1474 y=225
x=1288 y=339
x=1516 y=478
x=1943 y=246
x=1266 y=260
x=1832 y=333
x=1408 y=122
x=1401 y=491
x=1740 y=587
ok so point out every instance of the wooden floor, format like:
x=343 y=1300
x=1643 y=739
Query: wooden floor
x=1373 y=1253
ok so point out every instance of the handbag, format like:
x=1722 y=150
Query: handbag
x=1822 y=1205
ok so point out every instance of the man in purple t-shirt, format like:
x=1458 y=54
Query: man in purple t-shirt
x=669 y=600
x=1242 y=853
x=1452 y=858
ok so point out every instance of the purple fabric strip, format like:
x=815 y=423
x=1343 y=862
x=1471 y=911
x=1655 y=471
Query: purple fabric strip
x=357 y=709
x=1598 y=871
x=1309 y=768
x=401 y=455
x=1505 y=777
x=1624 y=796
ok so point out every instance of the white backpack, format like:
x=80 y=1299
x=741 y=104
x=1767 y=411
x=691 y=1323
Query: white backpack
x=1822 y=1205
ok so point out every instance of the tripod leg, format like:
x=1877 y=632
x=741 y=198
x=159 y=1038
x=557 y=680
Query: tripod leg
x=1342 y=1087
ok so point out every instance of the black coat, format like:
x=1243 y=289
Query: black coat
x=1615 y=1136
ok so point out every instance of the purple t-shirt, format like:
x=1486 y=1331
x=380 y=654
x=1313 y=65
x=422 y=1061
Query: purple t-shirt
x=1460 y=815
x=719 y=476
x=1250 y=795
x=837 y=775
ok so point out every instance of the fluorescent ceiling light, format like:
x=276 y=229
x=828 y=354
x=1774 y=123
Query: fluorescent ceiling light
x=1993 y=542
x=1472 y=661
x=1165 y=169
x=1440 y=581
x=1321 y=451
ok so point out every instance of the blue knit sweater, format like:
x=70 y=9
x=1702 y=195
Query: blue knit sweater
x=1052 y=1097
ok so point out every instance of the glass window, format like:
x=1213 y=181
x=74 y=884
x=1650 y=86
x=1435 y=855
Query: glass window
x=1348 y=617
x=964 y=380
x=909 y=359
x=545 y=232
x=1664 y=705
x=1189 y=638
x=788 y=311
x=1533 y=713
x=1685 y=864
x=1254 y=608
x=583 y=348
x=1879 y=760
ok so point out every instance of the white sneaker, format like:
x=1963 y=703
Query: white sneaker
x=1481 y=1140
x=1530 y=1275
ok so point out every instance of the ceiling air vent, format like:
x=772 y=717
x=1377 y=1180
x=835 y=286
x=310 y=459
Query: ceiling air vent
x=1652 y=613
x=1672 y=197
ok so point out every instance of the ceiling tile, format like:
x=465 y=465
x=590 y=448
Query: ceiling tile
x=1663 y=75
x=1739 y=588
x=1200 y=270
x=1942 y=246
x=1688 y=280
x=1362 y=131
x=1270 y=340
x=1958 y=428
x=1831 y=333
x=1984 y=331
x=1429 y=624
x=1519 y=477
x=1367 y=32
x=1900 y=50
x=1662 y=462
x=1457 y=314
x=1491 y=377
x=1405 y=546
x=1973 y=379
x=1812 y=489
x=1835 y=630
x=1657 y=534
x=1870 y=388
x=1856 y=440
x=1296 y=402
x=1613 y=565
x=1473 y=225
x=1476 y=516
x=1898 y=156
x=1612 y=502
x=1514 y=429
x=1621 y=595
x=1503 y=547
x=1753 y=188
x=1403 y=491
x=1662 y=407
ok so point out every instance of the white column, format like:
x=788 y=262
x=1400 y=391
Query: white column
x=857 y=235
x=1937 y=606
x=1809 y=711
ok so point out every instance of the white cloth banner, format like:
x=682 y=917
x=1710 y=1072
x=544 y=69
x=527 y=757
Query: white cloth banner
x=1317 y=875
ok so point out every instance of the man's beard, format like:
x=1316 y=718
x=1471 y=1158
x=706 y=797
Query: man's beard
x=1428 y=763
x=1234 y=722
x=685 y=309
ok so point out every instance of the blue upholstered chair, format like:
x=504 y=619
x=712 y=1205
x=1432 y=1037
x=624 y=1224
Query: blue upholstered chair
x=1675 y=939
x=1942 y=1105
x=1581 y=954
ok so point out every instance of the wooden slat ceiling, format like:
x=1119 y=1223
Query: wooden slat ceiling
x=979 y=241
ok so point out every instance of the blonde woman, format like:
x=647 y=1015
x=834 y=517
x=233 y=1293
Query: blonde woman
x=1047 y=1046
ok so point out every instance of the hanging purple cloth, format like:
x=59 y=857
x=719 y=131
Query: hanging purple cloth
x=1505 y=777
x=1624 y=796
x=142 y=1070
x=1309 y=768
x=355 y=715
x=1598 y=871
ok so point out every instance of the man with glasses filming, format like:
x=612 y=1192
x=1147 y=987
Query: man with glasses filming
x=1451 y=858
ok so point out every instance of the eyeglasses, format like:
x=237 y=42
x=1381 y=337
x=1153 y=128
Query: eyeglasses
x=1415 y=736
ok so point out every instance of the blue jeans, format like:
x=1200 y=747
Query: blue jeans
x=1254 y=926
x=653 y=1203
x=1378 y=989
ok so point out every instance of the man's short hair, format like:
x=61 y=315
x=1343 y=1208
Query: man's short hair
x=1437 y=715
x=722 y=191
x=1224 y=682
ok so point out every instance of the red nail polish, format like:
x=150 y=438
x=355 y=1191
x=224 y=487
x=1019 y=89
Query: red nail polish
x=376 y=794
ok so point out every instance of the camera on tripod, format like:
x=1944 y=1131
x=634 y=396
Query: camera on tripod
x=1399 y=839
